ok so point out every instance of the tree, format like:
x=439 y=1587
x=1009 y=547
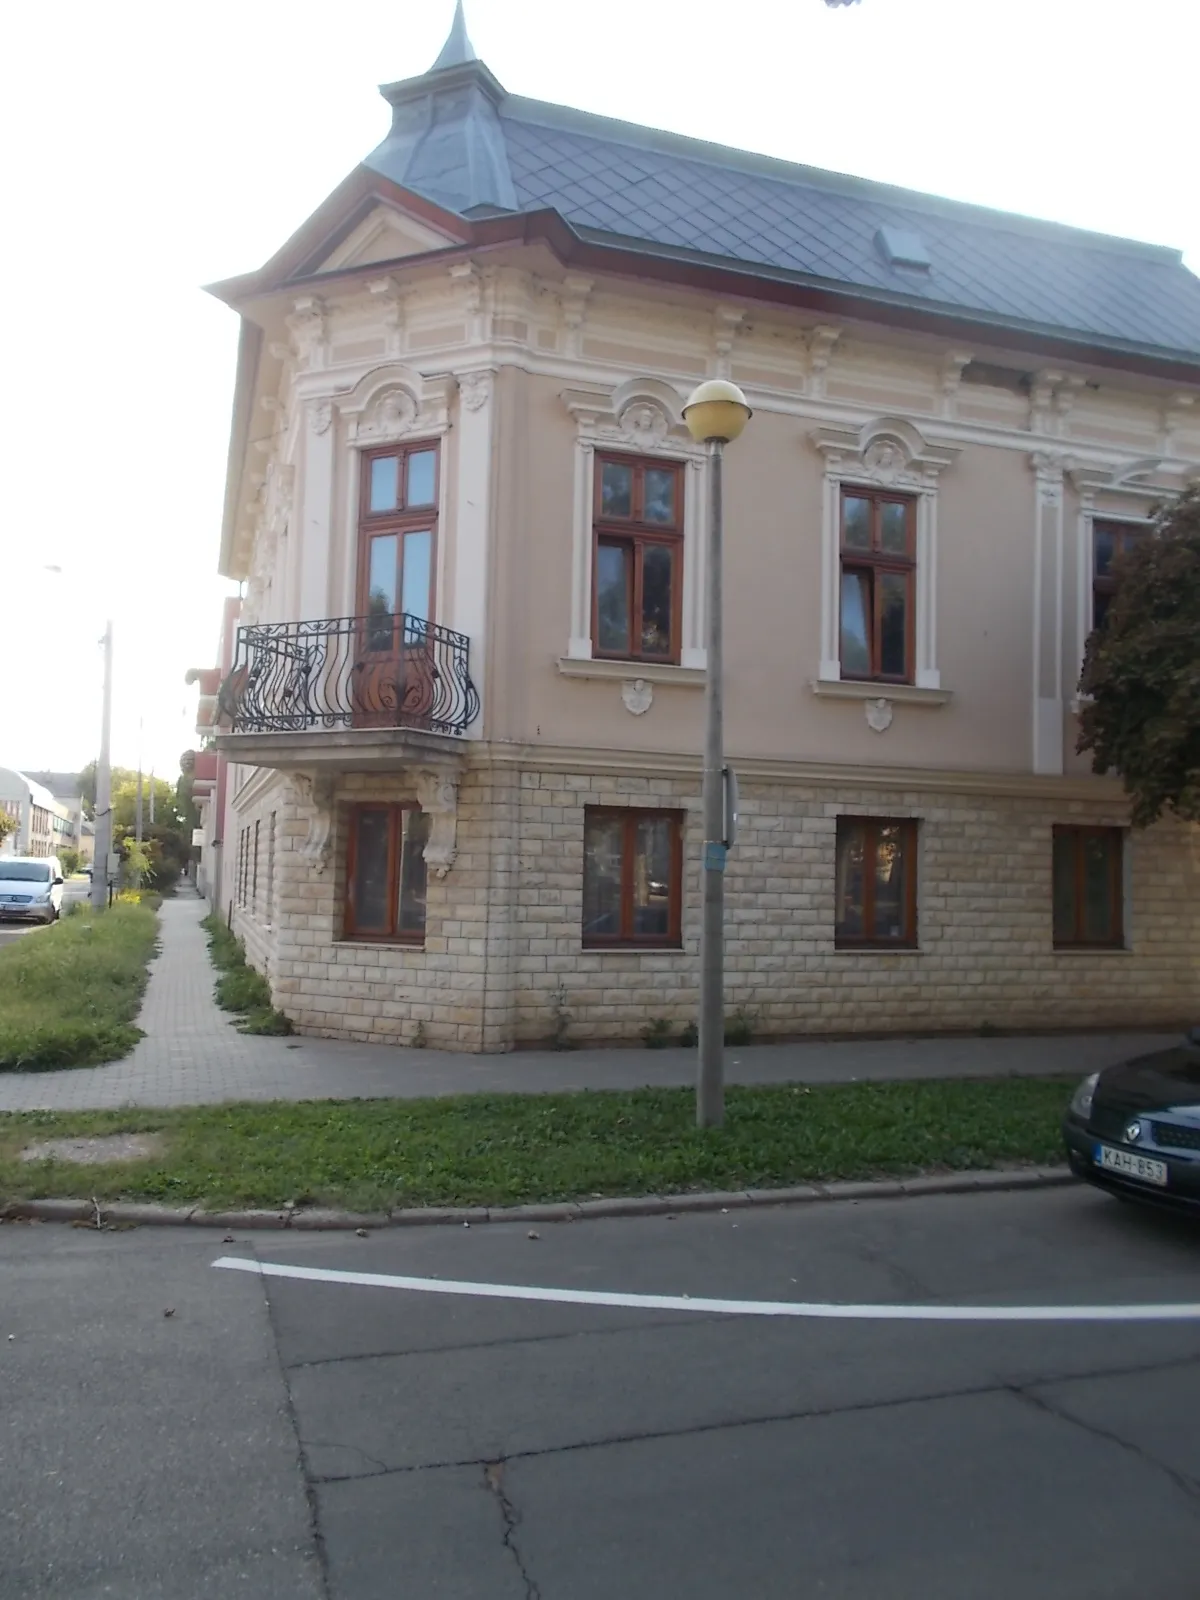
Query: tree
x=8 y=824
x=1141 y=673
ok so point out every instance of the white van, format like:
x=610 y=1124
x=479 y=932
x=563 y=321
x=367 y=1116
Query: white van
x=31 y=888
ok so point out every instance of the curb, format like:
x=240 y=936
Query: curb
x=122 y=1213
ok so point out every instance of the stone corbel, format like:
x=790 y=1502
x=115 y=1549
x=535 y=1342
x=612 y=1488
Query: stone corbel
x=316 y=792
x=574 y=294
x=466 y=276
x=954 y=362
x=308 y=326
x=1177 y=413
x=820 y=352
x=726 y=322
x=437 y=793
x=388 y=294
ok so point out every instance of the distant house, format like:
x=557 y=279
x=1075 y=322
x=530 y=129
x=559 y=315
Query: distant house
x=461 y=721
x=45 y=825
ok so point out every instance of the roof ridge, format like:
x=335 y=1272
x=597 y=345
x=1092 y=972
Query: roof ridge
x=545 y=113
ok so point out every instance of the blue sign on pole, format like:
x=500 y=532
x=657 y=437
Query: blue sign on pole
x=714 y=857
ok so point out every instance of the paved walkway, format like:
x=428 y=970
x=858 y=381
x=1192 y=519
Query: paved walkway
x=193 y=1055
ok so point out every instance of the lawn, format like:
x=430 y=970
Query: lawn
x=69 y=993
x=507 y=1149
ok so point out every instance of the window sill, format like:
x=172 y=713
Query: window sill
x=877 y=950
x=631 y=949
x=359 y=943
x=861 y=689
x=622 y=671
x=1092 y=950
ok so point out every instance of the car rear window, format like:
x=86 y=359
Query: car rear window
x=25 y=871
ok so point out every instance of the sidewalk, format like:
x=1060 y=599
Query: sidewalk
x=193 y=1055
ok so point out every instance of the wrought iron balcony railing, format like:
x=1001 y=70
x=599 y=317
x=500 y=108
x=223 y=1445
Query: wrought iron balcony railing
x=378 y=671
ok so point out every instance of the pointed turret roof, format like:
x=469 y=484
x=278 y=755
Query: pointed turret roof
x=458 y=48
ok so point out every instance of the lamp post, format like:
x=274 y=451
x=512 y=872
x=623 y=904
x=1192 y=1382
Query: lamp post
x=715 y=414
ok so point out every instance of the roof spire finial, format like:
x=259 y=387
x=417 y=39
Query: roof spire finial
x=458 y=48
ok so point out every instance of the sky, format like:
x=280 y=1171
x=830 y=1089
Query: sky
x=151 y=148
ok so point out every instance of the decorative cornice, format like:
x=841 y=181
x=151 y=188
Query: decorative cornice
x=1104 y=792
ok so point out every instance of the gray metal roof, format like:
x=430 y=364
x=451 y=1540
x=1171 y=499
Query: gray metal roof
x=471 y=148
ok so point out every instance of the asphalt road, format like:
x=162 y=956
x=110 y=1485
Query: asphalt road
x=285 y=1438
x=75 y=889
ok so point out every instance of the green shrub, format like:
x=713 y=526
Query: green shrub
x=240 y=988
x=657 y=1033
x=243 y=989
x=266 y=1021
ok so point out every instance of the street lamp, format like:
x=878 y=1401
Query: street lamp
x=715 y=414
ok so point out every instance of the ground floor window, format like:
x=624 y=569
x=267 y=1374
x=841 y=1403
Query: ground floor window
x=876 y=883
x=632 y=877
x=385 y=876
x=1088 y=887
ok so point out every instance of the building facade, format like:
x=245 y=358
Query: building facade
x=462 y=720
x=48 y=820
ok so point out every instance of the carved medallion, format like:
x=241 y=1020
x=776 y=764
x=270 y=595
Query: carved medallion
x=638 y=695
x=879 y=715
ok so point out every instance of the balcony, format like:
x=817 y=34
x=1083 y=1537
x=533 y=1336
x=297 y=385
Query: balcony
x=356 y=692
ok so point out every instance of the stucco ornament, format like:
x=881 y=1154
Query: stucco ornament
x=879 y=715
x=884 y=460
x=316 y=792
x=475 y=388
x=645 y=424
x=320 y=415
x=637 y=695
x=437 y=793
x=390 y=414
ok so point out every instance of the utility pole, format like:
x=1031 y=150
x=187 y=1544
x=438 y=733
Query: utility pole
x=138 y=825
x=104 y=830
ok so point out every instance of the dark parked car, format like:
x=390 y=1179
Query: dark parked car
x=1134 y=1129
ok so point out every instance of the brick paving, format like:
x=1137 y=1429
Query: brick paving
x=193 y=1055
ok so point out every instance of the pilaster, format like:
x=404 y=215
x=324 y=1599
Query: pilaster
x=1047 y=631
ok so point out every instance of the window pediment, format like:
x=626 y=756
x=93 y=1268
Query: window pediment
x=393 y=401
x=890 y=451
x=641 y=414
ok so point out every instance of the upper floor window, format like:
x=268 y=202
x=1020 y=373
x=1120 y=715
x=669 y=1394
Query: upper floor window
x=637 y=522
x=878 y=583
x=1110 y=541
x=397 y=538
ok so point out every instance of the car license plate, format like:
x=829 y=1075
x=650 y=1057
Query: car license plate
x=1131 y=1166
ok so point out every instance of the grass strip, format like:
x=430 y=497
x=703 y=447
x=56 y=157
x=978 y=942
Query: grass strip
x=69 y=993
x=240 y=988
x=509 y=1149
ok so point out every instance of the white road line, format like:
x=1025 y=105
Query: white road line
x=732 y=1308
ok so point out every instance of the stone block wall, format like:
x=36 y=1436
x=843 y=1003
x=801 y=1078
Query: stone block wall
x=985 y=954
x=503 y=964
